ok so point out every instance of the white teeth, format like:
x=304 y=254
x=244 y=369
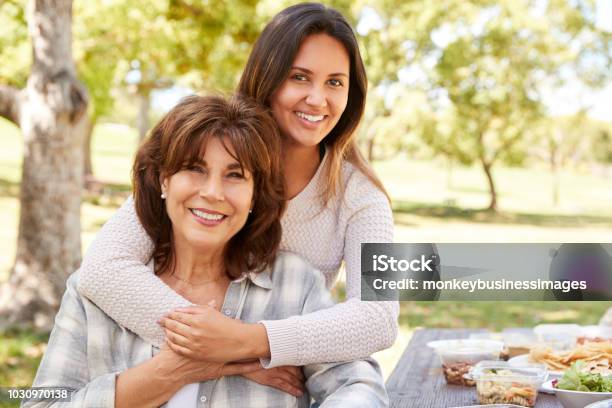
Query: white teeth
x=207 y=216
x=310 y=118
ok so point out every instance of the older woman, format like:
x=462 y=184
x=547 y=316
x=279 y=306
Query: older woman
x=208 y=192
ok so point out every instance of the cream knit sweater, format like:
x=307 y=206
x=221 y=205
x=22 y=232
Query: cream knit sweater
x=114 y=275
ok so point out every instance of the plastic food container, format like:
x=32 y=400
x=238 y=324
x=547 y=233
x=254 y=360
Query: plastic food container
x=558 y=336
x=499 y=383
x=518 y=341
x=459 y=356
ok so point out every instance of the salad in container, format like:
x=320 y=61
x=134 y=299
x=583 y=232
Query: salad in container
x=499 y=383
x=580 y=387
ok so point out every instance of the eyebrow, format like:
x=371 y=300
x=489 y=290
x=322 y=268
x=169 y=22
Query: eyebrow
x=234 y=166
x=306 y=70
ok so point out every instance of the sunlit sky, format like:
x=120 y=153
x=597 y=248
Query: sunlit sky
x=566 y=100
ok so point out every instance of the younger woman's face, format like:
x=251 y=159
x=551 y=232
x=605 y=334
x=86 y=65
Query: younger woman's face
x=311 y=100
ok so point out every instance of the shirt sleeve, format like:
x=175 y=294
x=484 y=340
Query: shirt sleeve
x=353 y=384
x=115 y=276
x=353 y=329
x=65 y=361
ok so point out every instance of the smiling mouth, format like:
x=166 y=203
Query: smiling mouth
x=207 y=216
x=310 y=118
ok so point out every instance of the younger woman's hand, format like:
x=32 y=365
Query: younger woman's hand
x=289 y=379
x=203 y=333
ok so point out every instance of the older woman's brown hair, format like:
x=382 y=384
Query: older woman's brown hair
x=178 y=141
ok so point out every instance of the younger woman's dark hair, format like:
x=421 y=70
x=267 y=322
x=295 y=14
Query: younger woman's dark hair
x=177 y=142
x=270 y=63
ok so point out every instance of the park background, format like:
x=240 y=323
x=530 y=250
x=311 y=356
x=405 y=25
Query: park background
x=488 y=121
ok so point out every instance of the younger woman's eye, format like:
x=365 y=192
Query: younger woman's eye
x=336 y=83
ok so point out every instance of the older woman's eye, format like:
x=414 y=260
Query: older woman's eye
x=196 y=169
x=299 y=77
x=236 y=175
x=336 y=83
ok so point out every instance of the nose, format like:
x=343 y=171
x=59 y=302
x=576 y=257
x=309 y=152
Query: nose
x=212 y=189
x=317 y=97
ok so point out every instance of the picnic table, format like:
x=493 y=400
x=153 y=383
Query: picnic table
x=417 y=380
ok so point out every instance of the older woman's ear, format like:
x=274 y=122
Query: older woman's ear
x=163 y=182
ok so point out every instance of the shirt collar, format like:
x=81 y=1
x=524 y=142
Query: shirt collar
x=261 y=279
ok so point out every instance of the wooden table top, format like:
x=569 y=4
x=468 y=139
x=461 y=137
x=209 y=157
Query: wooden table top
x=417 y=380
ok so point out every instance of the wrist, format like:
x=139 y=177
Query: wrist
x=255 y=341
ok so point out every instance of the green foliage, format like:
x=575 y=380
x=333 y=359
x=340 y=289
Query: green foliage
x=15 y=51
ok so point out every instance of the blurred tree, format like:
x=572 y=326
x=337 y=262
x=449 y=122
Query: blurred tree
x=559 y=140
x=483 y=63
x=49 y=111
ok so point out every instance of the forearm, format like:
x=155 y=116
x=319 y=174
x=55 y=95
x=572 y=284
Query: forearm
x=148 y=384
x=115 y=277
x=344 y=332
x=255 y=340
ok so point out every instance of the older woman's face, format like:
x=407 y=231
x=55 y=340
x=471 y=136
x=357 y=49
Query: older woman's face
x=209 y=203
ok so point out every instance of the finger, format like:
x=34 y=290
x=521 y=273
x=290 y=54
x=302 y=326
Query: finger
x=177 y=327
x=180 y=350
x=177 y=339
x=185 y=318
x=285 y=377
x=240 y=368
x=295 y=371
x=288 y=388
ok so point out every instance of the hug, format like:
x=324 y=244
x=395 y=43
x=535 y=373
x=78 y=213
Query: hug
x=217 y=272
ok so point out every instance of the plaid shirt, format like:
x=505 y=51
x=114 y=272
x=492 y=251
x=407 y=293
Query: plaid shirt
x=87 y=349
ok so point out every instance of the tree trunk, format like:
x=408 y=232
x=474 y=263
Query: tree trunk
x=554 y=171
x=144 y=104
x=371 y=149
x=51 y=108
x=486 y=166
x=89 y=124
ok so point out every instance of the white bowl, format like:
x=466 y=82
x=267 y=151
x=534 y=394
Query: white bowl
x=576 y=399
x=601 y=404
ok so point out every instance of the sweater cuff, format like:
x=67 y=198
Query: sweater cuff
x=283 y=339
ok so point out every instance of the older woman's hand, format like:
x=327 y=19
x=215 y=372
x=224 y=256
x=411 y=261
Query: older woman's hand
x=289 y=379
x=189 y=371
x=203 y=333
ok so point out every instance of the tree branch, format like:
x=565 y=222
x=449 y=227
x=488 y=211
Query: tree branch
x=10 y=103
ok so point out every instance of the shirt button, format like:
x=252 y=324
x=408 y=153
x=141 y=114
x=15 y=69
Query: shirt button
x=203 y=398
x=227 y=312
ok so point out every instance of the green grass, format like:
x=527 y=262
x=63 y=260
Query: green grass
x=496 y=316
x=427 y=208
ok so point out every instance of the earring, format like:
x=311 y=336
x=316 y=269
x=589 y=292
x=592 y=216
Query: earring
x=250 y=211
x=163 y=196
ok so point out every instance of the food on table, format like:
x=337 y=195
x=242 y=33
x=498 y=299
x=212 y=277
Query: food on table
x=598 y=356
x=578 y=378
x=499 y=383
x=457 y=356
x=503 y=391
x=454 y=372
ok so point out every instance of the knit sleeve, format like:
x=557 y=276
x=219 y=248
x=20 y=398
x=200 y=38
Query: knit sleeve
x=353 y=329
x=115 y=276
